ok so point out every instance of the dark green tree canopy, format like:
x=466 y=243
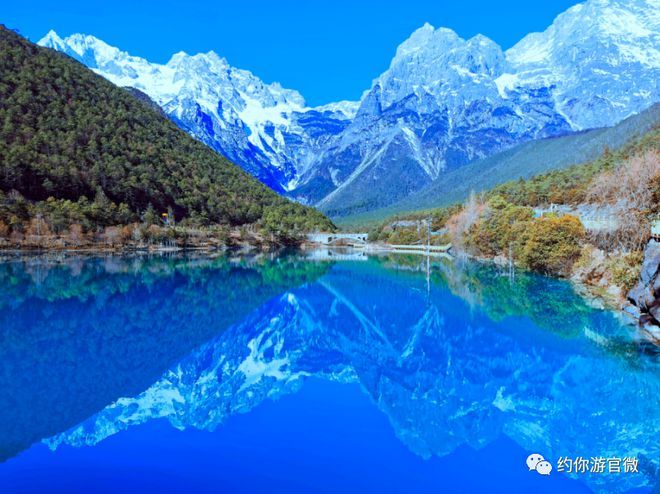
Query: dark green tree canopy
x=67 y=133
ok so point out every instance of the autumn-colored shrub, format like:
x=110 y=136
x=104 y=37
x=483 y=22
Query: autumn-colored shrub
x=501 y=228
x=112 y=235
x=459 y=225
x=155 y=233
x=552 y=244
x=38 y=227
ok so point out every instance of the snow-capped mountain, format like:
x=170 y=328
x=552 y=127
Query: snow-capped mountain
x=602 y=57
x=263 y=127
x=443 y=102
x=438 y=106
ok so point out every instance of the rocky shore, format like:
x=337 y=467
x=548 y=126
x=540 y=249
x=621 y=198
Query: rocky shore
x=645 y=296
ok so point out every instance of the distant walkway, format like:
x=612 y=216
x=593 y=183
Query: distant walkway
x=431 y=250
x=421 y=248
x=337 y=238
x=337 y=255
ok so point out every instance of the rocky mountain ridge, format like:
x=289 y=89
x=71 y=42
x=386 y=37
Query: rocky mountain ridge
x=443 y=102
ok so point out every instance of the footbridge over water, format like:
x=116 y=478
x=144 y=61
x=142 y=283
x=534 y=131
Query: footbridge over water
x=338 y=238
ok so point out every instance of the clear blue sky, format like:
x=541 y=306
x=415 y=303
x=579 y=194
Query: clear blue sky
x=327 y=50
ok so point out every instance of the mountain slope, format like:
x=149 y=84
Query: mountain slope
x=526 y=160
x=68 y=133
x=444 y=102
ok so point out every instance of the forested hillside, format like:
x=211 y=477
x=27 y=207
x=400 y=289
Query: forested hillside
x=74 y=148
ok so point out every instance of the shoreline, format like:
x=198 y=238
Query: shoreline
x=595 y=296
x=212 y=245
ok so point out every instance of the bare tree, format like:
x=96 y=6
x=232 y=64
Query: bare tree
x=75 y=234
x=628 y=194
x=112 y=235
x=459 y=224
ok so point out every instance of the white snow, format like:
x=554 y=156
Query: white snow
x=595 y=65
x=347 y=108
x=506 y=82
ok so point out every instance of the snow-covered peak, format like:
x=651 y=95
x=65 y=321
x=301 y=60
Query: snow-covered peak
x=52 y=40
x=426 y=43
x=418 y=41
x=86 y=48
x=444 y=46
x=201 y=62
x=213 y=70
x=182 y=70
x=177 y=58
x=601 y=57
x=631 y=28
x=441 y=63
x=346 y=108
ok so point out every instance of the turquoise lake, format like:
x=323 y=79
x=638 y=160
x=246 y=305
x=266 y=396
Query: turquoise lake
x=313 y=373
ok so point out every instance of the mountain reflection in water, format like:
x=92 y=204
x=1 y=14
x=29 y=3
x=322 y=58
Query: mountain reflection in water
x=458 y=355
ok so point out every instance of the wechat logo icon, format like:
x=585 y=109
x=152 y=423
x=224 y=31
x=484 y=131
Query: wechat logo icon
x=536 y=462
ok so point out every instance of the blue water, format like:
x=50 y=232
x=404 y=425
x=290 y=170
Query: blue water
x=290 y=374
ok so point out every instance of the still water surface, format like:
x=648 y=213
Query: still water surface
x=299 y=374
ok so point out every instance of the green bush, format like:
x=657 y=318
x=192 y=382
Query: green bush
x=405 y=236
